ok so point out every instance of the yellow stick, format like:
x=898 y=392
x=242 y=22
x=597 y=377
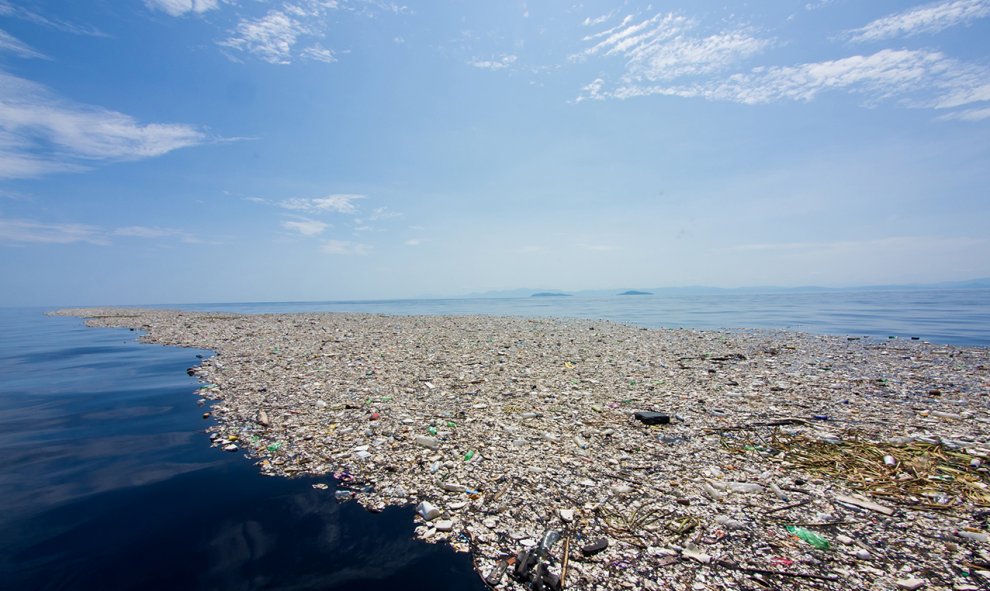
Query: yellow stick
x=567 y=554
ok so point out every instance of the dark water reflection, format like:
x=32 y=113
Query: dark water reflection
x=108 y=482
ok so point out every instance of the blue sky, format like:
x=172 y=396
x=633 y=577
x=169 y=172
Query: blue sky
x=167 y=151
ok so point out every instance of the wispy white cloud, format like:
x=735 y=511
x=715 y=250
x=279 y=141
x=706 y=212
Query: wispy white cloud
x=305 y=226
x=670 y=46
x=20 y=166
x=914 y=78
x=23 y=13
x=685 y=56
x=884 y=73
x=628 y=34
x=155 y=233
x=413 y=242
x=930 y=18
x=13 y=45
x=666 y=55
x=962 y=84
x=20 y=231
x=345 y=247
x=330 y=203
x=364 y=223
x=7 y=194
x=144 y=232
x=496 y=63
x=41 y=132
x=317 y=52
x=626 y=20
x=590 y=22
x=271 y=37
x=181 y=7
x=818 y=4
x=968 y=115
x=293 y=30
x=310 y=224
x=371 y=8
x=594 y=90
x=275 y=36
x=383 y=213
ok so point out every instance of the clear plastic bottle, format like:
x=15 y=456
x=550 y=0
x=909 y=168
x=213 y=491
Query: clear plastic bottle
x=549 y=539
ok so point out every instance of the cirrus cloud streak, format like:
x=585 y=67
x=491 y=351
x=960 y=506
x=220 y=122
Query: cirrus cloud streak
x=914 y=78
x=345 y=247
x=41 y=132
x=21 y=232
x=930 y=18
x=670 y=46
x=306 y=227
x=182 y=7
x=336 y=203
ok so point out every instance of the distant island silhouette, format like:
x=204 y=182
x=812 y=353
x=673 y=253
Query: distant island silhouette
x=549 y=294
x=634 y=292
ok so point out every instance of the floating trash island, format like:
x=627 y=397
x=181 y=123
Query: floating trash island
x=594 y=455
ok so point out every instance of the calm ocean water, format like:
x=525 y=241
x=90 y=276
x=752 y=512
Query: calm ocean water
x=108 y=480
x=960 y=317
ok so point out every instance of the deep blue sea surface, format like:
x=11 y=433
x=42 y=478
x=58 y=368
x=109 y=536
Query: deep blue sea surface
x=108 y=480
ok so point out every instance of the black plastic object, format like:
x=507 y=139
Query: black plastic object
x=544 y=580
x=594 y=547
x=525 y=561
x=652 y=418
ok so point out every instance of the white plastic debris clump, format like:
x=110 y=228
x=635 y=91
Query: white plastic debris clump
x=500 y=430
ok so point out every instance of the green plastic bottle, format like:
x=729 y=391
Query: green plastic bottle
x=809 y=536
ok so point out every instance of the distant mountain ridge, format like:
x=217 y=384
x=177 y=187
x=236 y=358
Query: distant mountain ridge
x=979 y=283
